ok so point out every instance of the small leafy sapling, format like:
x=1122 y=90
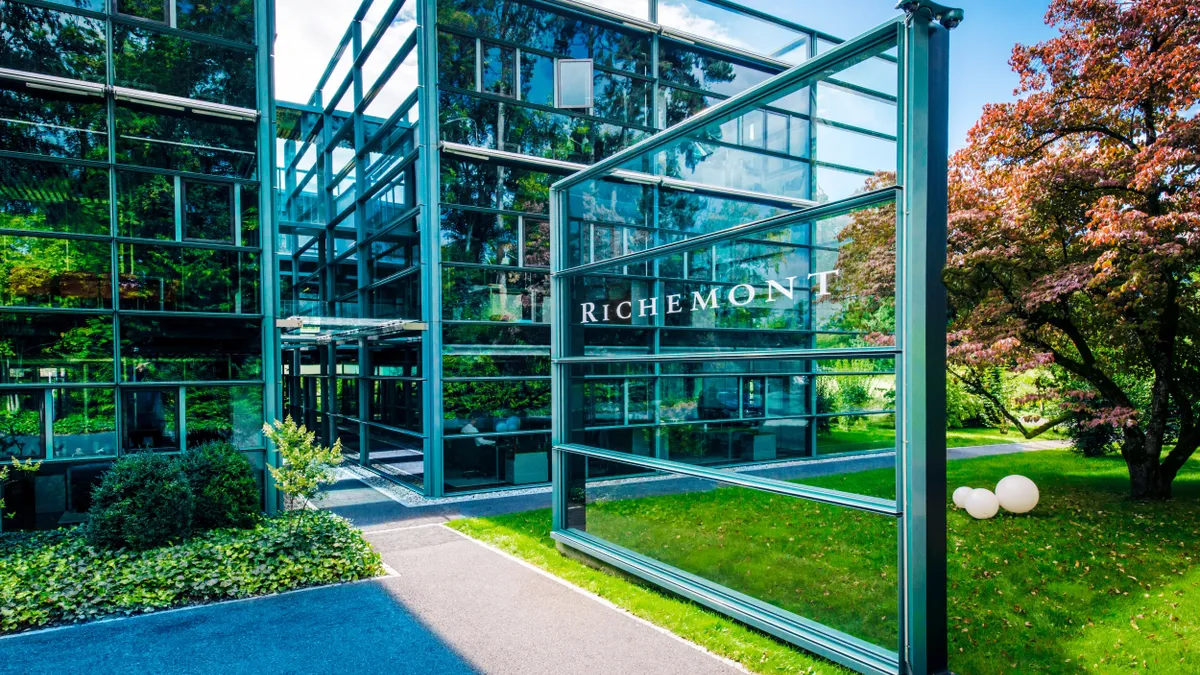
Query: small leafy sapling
x=305 y=463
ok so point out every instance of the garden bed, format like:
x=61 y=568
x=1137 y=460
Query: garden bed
x=53 y=578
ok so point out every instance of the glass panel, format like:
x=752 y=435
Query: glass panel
x=249 y=214
x=854 y=149
x=45 y=272
x=233 y=414
x=150 y=420
x=498 y=74
x=537 y=242
x=575 y=84
x=491 y=295
x=230 y=19
x=397 y=403
x=51 y=42
x=397 y=455
x=487 y=461
x=726 y=25
x=842 y=571
x=859 y=110
x=151 y=61
x=155 y=10
x=483 y=238
x=180 y=349
x=208 y=211
x=537 y=78
x=53 y=197
x=22 y=434
x=53 y=124
x=43 y=348
x=175 y=279
x=146 y=205
x=499 y=406
x=544 y=29
x=85 y=423
x=169 y=140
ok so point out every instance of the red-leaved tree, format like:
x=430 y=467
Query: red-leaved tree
x=1075 y=225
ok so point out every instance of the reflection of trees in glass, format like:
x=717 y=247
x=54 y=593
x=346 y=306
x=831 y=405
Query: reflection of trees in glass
x=53 y=124
x=168 y=64
x=496 y=399
x=51 y=42
x=192 y=143
x=46 y=272
x=45 y=196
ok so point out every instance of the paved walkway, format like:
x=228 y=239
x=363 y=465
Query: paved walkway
x=453 y=606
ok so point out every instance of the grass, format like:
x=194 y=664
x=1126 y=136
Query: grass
x=1090 y=582
x=873 y=436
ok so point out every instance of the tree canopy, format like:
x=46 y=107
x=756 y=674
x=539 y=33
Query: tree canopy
x=1075 y=226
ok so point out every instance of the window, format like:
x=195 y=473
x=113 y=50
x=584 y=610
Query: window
x=208 y=211
x=498 y=70
x=85 y=423
x=574 y=88
x=146 y=205
x=59 y=347
x=47 y=272
x=177 y=349
x=21 y=423
x=151 y=420
x=154 y=10
x=537 y=78
x=53 y=197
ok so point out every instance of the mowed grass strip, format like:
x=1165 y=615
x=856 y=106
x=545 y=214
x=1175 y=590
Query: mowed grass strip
x=1090 y=582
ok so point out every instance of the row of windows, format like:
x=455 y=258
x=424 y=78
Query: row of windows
x=76 y=424
x=78 y=274
x=48 y=348
x=75 y=127
x=55 y=197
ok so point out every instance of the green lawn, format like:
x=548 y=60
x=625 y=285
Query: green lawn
x=1090 y=582
x=873 y=436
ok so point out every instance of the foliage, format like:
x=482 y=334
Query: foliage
x=7 y=474
x=143 y=501
x=306 y=464
x=1074 y=223
x=57 y=577
x=1049 y=592
x=222 y=482
x=1090 y=438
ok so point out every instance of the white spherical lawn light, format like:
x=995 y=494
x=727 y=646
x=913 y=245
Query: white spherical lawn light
x=982 y=504
x=960 y=496
x=1017 y=494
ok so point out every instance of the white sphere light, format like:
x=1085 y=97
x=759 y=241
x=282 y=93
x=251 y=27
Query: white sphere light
x=982 y=504
x=1017 y=494
x=960 y=496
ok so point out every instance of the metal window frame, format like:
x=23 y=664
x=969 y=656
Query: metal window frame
x=558 y=84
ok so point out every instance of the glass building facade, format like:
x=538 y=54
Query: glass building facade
x=414 y=219
x=136 y=264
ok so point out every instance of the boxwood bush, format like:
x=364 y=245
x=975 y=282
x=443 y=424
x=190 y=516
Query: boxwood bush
x=57 y=577
x=223 y=485
x=143 y=501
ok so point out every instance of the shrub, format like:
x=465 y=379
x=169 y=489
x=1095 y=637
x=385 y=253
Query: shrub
x=55 y=577
x=143 y=501
x=1092 y=440
x=222 y=482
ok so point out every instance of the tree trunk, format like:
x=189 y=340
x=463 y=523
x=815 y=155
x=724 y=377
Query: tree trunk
x=1147 y=479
